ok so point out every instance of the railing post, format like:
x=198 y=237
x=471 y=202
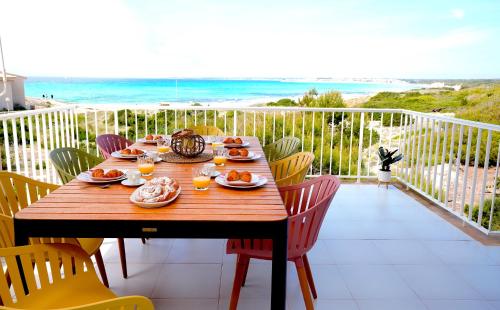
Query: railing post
x=360 y=147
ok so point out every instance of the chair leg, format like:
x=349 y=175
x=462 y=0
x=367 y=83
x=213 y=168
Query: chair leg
x=309 y=276
x=304 y=286
x=238 y=280
x=102 y=269
x=245 y=272
x=123 y=257
x=143 y=240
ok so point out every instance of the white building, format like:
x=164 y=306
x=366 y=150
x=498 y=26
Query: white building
x=15 y=92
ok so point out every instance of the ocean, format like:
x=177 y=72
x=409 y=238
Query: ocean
x=188 y=91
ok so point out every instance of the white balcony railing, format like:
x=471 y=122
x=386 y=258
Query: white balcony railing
x=452 y=162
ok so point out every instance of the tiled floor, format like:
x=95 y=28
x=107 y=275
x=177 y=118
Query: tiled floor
x=378 y=249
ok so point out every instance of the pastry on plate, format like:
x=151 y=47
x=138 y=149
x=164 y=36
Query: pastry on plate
x=234 y=152
x=233 y=175
x=228 y=140
x=238 y=140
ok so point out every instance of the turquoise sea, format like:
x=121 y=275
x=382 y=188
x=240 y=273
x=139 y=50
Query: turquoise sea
x=204 y=91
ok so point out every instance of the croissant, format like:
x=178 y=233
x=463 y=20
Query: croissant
x=233 y=175
x=246 y=176
x=125 y=152
x=97 y=173
x=234 y=152
x=149 y=137
x=238 y=140
x=228 y=140
x=243 y=152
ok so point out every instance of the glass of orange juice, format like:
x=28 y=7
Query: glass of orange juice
x=146 y=165
x=163 y=146
x=220 y=156
x=201 y=180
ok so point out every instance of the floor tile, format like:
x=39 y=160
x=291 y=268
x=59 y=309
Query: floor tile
x=141 y=278
x=328 y=280
x=457 y=305
x=257 y=285
x=323 y=304
x=320 y=254
x=154 y=251
x=196 y=251
x=355 y=252
x=375 y=282
x=390 y=304
x=436 y=282
x=459 y=252
x=406 y=252
x=484 y=279
x=186 y=304
x=188 y=281
x=247 y=304
x=494 y=304
x=435 y=230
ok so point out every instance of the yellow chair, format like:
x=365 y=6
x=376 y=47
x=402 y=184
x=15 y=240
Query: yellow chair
x=57 y=276
x=207 y=130
x=292 y=169
x=18 y=192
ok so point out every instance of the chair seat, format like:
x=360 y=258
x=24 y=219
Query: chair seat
x=90 y=245
x=71 y=292
x=255 y=248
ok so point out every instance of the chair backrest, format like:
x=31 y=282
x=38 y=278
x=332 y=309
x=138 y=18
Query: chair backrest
x=18 y=192
x=69 y=162
x=6 y=231
x=110 y=143
x=307 y=204
x=292 y=169
x=48 y=260
x=281 y=148
x=203 y=130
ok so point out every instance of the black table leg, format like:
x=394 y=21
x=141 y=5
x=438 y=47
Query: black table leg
x=280 y=258
x=20 y=235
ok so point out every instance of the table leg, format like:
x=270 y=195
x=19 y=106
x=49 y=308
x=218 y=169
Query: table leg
x=280 y=258
x=21 y=238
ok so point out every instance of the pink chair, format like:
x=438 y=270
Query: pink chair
x=306 y=204
x=110 y=143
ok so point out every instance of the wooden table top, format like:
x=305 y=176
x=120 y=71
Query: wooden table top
x=78 y=200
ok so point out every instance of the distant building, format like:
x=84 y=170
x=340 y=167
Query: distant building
x=15 y=92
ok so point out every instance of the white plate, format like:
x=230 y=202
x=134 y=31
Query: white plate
x=143 y=140
x=251 y=156
x=215 y=174
x=221 y=180
x=126 y=182
x=244 y=144
x=106 y=179
x=117 y=154
x=85 y=177
x=154 y=204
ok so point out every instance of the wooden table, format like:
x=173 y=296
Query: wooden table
x=78 y=209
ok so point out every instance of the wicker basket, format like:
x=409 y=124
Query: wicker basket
x=187 y=144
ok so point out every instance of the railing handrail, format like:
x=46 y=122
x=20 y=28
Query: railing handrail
x=454 y=120
x=17 y=114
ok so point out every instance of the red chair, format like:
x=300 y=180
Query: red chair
x=110 y=143
x=306 y=204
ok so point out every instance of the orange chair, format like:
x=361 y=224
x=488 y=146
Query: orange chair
x=292 y=169
x=307 y=204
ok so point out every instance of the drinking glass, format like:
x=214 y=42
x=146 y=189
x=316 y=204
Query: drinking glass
x=216 y=142
x=163 y=145
x=220 y=156
x=201 y=180
x=146 y=165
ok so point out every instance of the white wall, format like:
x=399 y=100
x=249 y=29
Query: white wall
x=4 y=104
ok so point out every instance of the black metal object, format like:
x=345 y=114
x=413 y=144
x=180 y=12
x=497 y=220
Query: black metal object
x=275 y=230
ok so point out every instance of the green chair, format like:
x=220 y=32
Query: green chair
x=70 y=162
x=281 y=148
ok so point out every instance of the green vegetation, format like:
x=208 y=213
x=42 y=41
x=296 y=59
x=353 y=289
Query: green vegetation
x=485 y=219
x=478 y=103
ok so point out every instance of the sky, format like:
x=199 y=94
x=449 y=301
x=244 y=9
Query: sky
x=258 y=38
